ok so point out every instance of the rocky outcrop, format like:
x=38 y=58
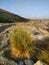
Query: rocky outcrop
x=4 y=41
x=40 y=63
x=5 y=61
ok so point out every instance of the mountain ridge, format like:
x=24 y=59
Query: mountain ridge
x=10 y=17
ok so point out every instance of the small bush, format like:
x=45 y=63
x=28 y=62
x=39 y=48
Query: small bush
x=21 y=45
x=43 y=56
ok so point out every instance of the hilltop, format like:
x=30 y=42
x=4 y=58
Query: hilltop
x=8 y=17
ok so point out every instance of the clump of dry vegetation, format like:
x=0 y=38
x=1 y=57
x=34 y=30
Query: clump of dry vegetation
x=21 y=45
x=43 y=56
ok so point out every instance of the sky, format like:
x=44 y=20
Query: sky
x=27 y=8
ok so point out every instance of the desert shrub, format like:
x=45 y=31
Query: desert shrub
x=21 y=45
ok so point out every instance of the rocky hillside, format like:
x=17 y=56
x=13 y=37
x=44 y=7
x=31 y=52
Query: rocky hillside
x=8 y=17
x=39 y=29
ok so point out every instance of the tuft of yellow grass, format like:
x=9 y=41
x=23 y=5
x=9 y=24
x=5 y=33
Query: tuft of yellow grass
x=43 y=56
x=21 y=43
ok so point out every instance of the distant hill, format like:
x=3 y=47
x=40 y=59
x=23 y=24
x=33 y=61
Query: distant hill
x=8 y=17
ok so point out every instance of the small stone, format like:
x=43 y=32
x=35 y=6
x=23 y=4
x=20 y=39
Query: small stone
x=29 y=62
x=21 y=63
x=40 y=63
x=5 y=61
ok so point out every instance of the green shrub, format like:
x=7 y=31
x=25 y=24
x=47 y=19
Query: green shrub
x=5 y=20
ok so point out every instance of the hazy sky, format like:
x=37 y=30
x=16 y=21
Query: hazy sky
x=27 y=8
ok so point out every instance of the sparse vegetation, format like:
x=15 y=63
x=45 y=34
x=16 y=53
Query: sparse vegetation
x=21 y=44
x=43 y=53
x=43 y=56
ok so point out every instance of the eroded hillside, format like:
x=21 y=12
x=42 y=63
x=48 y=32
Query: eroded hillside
x=38 y=29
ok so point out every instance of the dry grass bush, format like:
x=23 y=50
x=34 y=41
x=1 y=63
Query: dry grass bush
x=21 y=45
x=43 y=56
